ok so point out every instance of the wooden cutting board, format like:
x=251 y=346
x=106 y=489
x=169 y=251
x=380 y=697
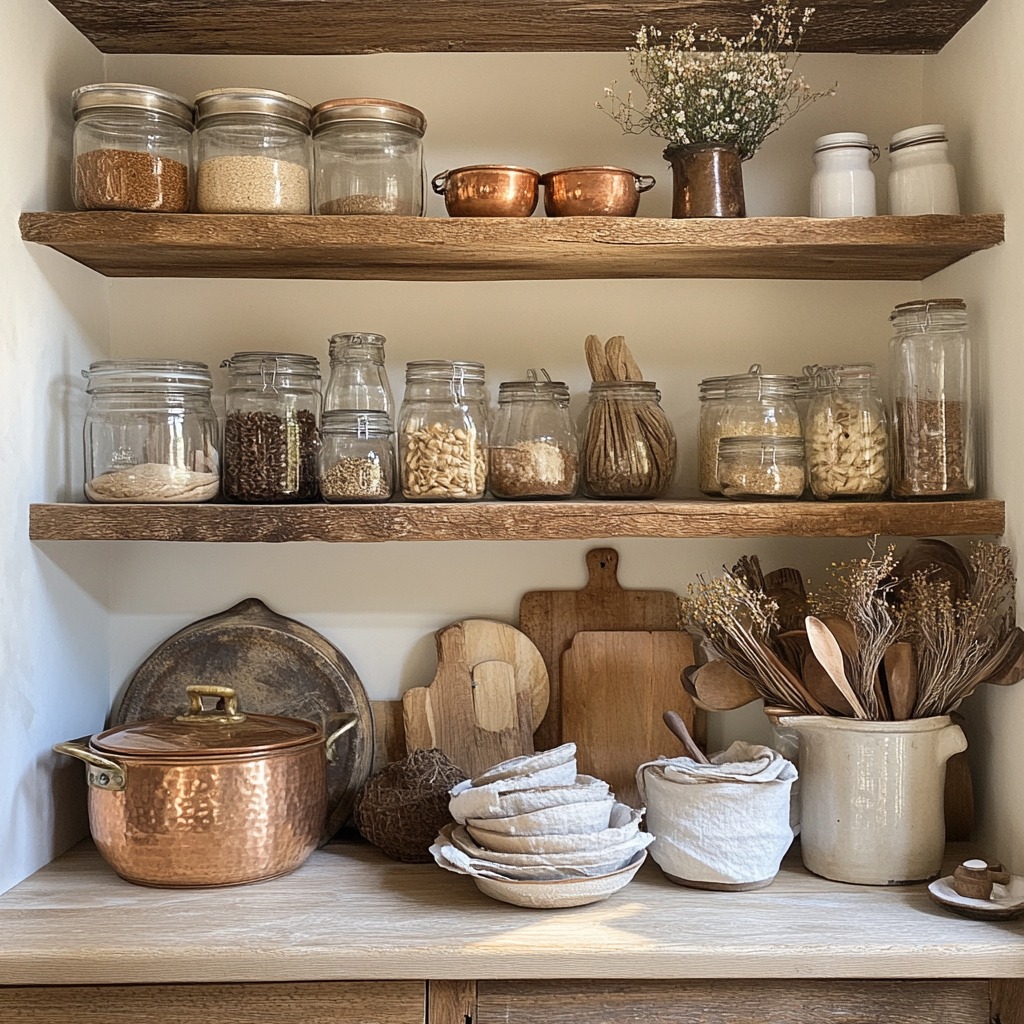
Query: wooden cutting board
x=551 y=618
x=477 y=714
x=615 y=687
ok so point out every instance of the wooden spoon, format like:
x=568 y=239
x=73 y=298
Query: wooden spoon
x=900 y=666
x=1003 y=666
x=597 y=362
x=678 y=729
x=846 y=636
x=717 y=686
x=620 y=359
x=793 y=680
x=827 y=651
x=819 y=682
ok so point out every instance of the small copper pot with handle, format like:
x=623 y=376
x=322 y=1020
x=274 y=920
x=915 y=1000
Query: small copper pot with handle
x=488 y=190
x=208 y=797
x=594 y=191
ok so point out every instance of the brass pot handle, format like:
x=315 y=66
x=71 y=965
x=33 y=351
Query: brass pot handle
x=102 y=772
x=644 y=182
x=347 y=721
x=226 y=712
x=439 y=182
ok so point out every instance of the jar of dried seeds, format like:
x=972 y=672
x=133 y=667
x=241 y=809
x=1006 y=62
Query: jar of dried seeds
x=533 y=451
x=357 y=458
x=442 y=431
x=709 y=432
x=132 y=149
x=272 y=428
x=761 y=467
x=150 y=432
x=252 y=152
x=932 y=401
x=846 y=433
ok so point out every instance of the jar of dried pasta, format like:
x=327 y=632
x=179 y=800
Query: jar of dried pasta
x=761 y=467
x=846 y=433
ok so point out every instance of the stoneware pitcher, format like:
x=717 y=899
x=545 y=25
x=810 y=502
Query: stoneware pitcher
x=871 y=796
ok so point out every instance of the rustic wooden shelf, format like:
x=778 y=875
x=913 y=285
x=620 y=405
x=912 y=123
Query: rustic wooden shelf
x=494 y=520
x=490 y=249
x=343 y=26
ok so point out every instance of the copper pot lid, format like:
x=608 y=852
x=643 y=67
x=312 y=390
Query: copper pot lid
x=201 y=731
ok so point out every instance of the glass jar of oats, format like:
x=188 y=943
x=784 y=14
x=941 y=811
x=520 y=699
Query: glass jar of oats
x=761 y=467
x=442 y=431
x=846 y=433
x=357 y=458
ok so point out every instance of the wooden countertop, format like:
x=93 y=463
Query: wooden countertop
x=349 y=913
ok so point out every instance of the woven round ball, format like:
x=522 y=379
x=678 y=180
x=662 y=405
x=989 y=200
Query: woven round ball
x=403 y=806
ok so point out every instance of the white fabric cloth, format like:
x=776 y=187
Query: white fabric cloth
x=498 y=801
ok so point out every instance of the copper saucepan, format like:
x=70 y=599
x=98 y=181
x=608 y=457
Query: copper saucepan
x=209 y=797
x=594 y=191
x=488 y=190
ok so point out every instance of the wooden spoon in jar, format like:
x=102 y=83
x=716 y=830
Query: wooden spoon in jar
x=900 y=666
x=827 y=651
x=678 y=729
x=717 y=686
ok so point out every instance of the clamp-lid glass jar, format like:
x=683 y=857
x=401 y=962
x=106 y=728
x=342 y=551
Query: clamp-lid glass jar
x=357 y=378
x=252 y=152
x=271 y=432
x=843 y=184
x=368 y=157
x=921 y=177
x=132 y=149
x=709 y=432
x=442 y=431
x=357 y=457
x=932 y=400
x=533 y=450
x=846 y=433
x=150 y=432
x=761 y=404
x=761 y=467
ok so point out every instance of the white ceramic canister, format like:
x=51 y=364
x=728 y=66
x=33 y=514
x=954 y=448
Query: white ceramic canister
x=921 y=177
x=843 y=184
x=871 y=796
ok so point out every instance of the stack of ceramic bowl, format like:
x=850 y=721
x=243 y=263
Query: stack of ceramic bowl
x=532 y=832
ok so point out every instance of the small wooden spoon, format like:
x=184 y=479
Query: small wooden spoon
x=620 y=359
x=1003 y=666
x=678 y=729
x=717 y=686
x=827 y=651
x=597 y=361
x=900 y=666
x=819 y=682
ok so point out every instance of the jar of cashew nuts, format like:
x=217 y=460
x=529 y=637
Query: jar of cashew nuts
x=442 y=431
x=846 y=434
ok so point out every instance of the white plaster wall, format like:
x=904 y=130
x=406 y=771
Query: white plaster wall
x=54 y=667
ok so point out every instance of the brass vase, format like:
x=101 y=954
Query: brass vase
x=707 y=180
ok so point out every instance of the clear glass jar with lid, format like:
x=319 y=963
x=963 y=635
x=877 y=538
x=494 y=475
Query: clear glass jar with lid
x=533 y=451
x=272 y=427
x=442 y=431
x=761 y=467
x=629 y=444
x=253 y=152
x=357 y=378
x=709 y=432
x=150 y=432
x=357 y=457
x=132 y=149
x=932 y=400
x=846 y=434
x=761 y=404
x=368 y=157
x=921 y=177
x=843 y=184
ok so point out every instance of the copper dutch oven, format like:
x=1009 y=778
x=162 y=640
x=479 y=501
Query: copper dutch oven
x=593 y=191
x=488 y=190
x=209 y=797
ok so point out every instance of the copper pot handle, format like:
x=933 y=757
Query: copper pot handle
x=347 y=721
x=644 y=182
x=226 y=712
x=102 y=772
x=439 y=182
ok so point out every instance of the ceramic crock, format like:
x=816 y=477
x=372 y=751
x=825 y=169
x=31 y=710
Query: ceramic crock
x=871 y=796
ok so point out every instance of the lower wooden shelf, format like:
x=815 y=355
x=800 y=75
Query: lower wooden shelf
x=496 y=521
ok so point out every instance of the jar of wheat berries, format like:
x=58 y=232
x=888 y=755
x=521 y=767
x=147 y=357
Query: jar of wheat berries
x=150 y=432
x=442 y=431
x=357 y=458
x=132 y=149
x=252 y=152
x=272 y=427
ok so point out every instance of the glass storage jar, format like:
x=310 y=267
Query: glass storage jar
x=442 y=431
x=932 y=401
x=357 y=378
x=709 y=431
x=533 y=450
x=843 y=184
x=272 y=427
x=629 y=445
x=761 y=467
x=357 y=458
x=368 y=157
x=761 y=404
x=150 y=432
x=921 y=177
x=252 y=152
x=846 y=434
x=132 y=149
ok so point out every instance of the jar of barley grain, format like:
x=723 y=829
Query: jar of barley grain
x=357 y=458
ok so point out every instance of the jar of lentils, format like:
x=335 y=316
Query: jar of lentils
x=132 y=149
x=357 y=458
x=368 y=157
x=272 y=427
x=442 y=431
x=252 y=152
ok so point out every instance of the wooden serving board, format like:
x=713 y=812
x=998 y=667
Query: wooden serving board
x=551 y=618
x=615 y=687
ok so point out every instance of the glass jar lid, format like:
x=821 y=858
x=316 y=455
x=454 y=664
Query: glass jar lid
x=275 y=106
x=757 y=384
x=368 y=108
x=427 y=370
x=712 y=387
x=111 y=96
x=147 y=375
x=341 y=343
x=917 y=136
x=841 y=375
x=268 y=364
x=928 y=313
x=362 y=423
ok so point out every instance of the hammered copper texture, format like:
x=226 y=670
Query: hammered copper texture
x=212 y=823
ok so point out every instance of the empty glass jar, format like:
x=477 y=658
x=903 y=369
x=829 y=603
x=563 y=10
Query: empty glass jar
x=368 y=157
x=132 y=149
x=252 y=152
x=357 y=378
x=357 y=458
x=150 y=432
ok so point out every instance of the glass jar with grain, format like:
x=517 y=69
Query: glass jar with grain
x=709 y=432
x=357 y=457
x=761 y=467
x=761 y=404
x=132 y=149
x=272 y=427
x=252 y=152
